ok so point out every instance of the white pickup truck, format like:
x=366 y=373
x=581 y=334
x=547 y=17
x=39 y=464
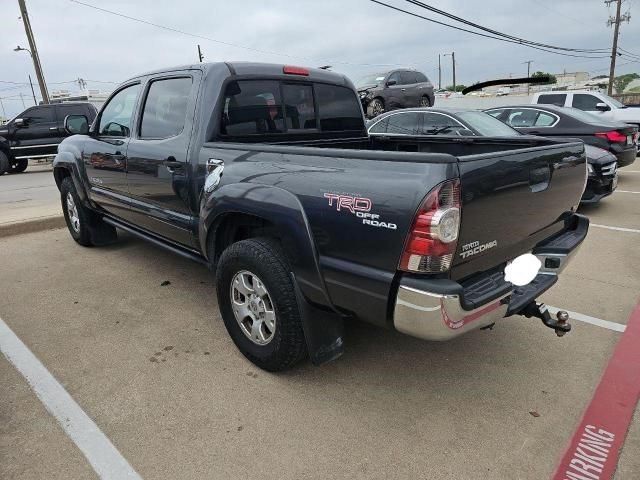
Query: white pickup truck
x=593 y=102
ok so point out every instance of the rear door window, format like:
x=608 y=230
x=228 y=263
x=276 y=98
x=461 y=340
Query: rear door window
x=338 y=108
x=299 y=107
x=165 y=108
x=583 y=101
x=252 y=107
x=407 y=78
x=553 y=99
x=404 y=123
x=545 y=119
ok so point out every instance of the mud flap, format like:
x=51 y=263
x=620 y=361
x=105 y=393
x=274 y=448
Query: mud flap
x=323 y=330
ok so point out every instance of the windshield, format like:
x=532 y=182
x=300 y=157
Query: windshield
x=585 y=117
x=613 y=101
x=487 y=125
x=373 y=79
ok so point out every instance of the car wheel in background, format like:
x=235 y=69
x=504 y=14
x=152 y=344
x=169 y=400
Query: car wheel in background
x=4 y=163
x=375 y=108
x=258 y=304
x=19 y=166
x=425 y=102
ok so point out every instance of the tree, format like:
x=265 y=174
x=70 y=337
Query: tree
x=552 y=78
x=459 y=88
x=620 y=82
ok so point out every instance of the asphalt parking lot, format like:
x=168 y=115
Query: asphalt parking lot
x=154 y=368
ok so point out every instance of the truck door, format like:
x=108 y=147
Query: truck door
x=34 y=133
x=587 y=103
x=158 y=170
x=105 y=152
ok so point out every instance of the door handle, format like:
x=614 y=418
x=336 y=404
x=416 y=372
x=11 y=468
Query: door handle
x=403 y=89
x=172 y=164
x=53 y=128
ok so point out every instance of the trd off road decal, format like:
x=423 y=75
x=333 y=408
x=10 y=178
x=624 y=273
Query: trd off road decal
x=360 y=207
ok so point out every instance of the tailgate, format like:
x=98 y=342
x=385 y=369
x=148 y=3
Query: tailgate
x=514 y=199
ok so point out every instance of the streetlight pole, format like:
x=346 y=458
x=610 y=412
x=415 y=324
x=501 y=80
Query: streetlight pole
x=34 y=51
x=439 y=74
x=35 y=102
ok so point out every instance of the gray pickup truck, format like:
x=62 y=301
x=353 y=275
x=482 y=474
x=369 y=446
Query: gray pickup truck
x=266 y=174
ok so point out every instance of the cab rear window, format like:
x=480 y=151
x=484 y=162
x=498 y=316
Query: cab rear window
x=258 y=107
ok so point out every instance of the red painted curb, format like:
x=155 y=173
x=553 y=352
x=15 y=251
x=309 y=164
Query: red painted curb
x=595 y=446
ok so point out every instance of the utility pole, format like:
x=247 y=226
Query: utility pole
x=22 y=99
x=528 y=62
x=616 y=30
x=4 y=114
x=439 y=74
x=453 y=61
x=34 y=51
x=33 y=92
x=200 y=56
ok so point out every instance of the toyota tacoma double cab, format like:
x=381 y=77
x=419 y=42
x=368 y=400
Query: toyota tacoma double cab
x=265 y=173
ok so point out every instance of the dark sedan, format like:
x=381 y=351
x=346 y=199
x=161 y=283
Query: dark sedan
x=446 y=122
x=621 y=139
x=387 y=91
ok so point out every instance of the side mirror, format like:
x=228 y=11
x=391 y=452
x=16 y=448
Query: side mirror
x=76 y=124
x=20 y=122
x=602 y=107
x=391 y=83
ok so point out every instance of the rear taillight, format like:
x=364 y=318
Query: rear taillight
x=432 y=240
x=613 y=136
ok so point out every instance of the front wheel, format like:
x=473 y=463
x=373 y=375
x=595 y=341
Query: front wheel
x=375 y=108
x=19 y=166
x=85 y=226
x=4 y=163
x=258 y=304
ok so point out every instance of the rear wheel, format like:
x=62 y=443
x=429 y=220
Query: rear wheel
x=4 y=163
x=258 y=304
x=375 y=108
x=425 y=102
x=19 y=166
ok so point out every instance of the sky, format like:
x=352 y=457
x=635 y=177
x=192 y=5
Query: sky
x=356 y=37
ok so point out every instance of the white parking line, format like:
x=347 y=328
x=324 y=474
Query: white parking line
x=616 y=327
x=625 y=191
x=629 y=171
x=620 y=229
x=105 y=459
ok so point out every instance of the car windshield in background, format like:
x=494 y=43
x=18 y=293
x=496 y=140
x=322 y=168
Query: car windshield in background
x=372 y=79
x=585 y=117
x=487 y=125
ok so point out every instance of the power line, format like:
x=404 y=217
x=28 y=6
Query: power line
x=210 y=39
x=501 y=34
x=413 y=14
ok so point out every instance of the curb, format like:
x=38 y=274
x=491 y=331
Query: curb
x=32 y=225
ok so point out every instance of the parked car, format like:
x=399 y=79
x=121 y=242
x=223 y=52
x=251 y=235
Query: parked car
x=619 y=138
x=596 y=103
x=602 y=178
x=383 y=92
x=456 y=122
x=266 y=174
x=438 y=121
x=36 y=133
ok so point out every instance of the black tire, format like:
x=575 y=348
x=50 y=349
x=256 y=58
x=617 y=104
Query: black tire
x=425 y=102
x=19 y=166
x=375 y=108
x=87 y=228
x=4 y=163
x=264 y=258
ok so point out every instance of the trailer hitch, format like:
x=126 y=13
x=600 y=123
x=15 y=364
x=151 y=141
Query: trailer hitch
x=539 y=310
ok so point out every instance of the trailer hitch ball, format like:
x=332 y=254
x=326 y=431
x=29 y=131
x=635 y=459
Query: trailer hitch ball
x=563 y=318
